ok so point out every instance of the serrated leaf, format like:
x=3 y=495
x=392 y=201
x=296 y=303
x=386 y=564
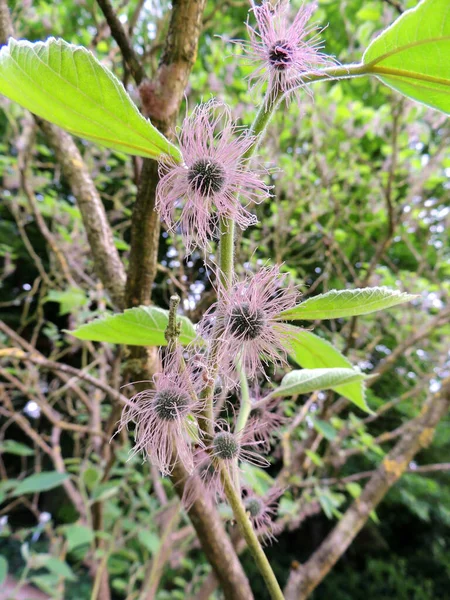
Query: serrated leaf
x=311 y=380
x=412 y=56
x=68 y=86
x=346 y=303
x=40 y=482
x=140 y=326
x=313 y=352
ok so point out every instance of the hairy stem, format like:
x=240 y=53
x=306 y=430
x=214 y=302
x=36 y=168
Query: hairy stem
x=250 y=537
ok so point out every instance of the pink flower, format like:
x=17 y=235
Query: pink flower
x=247 y=319
x=214 y=180
x=281 y=48
x=266 y=419
x=262 y=510
x=161 y=416
x=226 y=449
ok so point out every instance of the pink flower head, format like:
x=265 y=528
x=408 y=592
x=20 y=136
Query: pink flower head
x=282 y=48
x=247 y=315
x=161 y=416
x=214 y=180
x=262 y=510
x=228 y=448
x=204 y=482
x=266 y=419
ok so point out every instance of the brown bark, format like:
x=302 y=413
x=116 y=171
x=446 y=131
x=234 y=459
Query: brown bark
x=215 y=543
x=417 y=435
x=161 y=100
x=107 y=263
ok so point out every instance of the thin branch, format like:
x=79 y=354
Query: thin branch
x=418 y=435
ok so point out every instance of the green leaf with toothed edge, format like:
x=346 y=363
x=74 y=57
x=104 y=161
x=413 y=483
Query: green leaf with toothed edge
x=140 y=326
x=345 y=303
x=306 y=381
x=413 y=55
x=313 y=352
x=68 y=86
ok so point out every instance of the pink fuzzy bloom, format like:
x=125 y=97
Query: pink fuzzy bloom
x=262 y=511
x=161 y=416
x=284 y=49
x=266 y=420
x=247 y=319
x=204 y=482
x=214 y=180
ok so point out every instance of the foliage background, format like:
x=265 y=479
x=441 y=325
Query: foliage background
x=361 y=199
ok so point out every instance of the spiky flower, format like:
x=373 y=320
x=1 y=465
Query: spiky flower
x=246 y=317
x=262 y=510
x=283 y=50
x=214 y=180
x=163 y=416
x=266 y=418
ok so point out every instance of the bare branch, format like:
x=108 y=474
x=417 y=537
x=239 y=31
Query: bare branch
x=418 y=435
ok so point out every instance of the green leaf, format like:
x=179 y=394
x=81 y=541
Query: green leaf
x=78 y=535
x=13 y=447
x=412 y=56
x=325 y=429
x=149 y=540
x=68 y=86
x=3 y=569
x=310 y=380
x=140 y=326
x=55 y=566
x=40 y=482
x=69 y=300
x=346 y=303
x=312 y=352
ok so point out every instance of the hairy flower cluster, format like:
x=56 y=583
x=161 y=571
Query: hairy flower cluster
x=283 y=50
x=161 y=415
x=214 y=182
x=246 y=317
x=262 y=510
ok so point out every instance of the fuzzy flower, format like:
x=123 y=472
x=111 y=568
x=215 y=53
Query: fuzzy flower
x=163 y=416
x=226 y=449
x=266 y=419
x=283 y=50
x=262 y=510
x=247 y=318
x=214 y=180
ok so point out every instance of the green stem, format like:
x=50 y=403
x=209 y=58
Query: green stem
x=226 y=252
x=250 y=537
x=245 y=405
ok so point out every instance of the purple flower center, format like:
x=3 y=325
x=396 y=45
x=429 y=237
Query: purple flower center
x=206 y=177
x=170 y=404
x=225 y=446
x=246 y=323
x=253 y=506
x=281 y=55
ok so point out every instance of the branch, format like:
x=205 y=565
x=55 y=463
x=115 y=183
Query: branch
x=119 y=34
x=418 y=435
x=107 y=263
x=215 y=542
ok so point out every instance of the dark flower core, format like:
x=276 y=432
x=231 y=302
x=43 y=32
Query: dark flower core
x=281 y=55
x=245 y=323
x=170 y=404
x=253 y=506
x=206 y=177
x=225 y=446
